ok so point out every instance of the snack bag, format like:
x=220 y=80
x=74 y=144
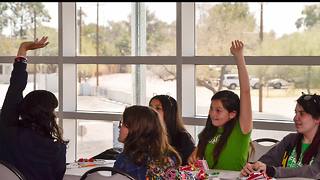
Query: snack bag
x=258 y=175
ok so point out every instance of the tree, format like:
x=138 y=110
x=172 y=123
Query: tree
x=3 y=16
x=311 y=17
x=24 y=15
x=218 y=26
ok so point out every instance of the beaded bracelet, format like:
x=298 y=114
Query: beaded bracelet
x=21 y=59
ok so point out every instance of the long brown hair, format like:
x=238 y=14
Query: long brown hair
x=230 y=102
x=311 y=105
x=147 y=136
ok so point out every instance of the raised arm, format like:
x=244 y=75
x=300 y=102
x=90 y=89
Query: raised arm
x=18 y=82
x=245 y=118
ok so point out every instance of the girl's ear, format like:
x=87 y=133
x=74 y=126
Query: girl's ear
x=232 y=114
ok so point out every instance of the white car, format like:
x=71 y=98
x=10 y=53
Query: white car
x=231 y=81
x=277 y=83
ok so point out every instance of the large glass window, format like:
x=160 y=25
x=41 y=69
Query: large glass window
x=268 y=28
x=104 y=29
x=110 y=29
x=118 y=85
x=107 y=80
x=161 y=29
x=45 y=76
x=22 y=21
x=94 y=137
x=281 y=86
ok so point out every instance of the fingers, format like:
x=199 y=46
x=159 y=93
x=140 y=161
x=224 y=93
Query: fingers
x=261 y=167
x=193 y=158
x=237 y=44
x=39 y=43
x=247 y=169
x=42 y=40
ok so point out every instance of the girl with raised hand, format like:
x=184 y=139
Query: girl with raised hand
x=30 y=138
x=224 y=142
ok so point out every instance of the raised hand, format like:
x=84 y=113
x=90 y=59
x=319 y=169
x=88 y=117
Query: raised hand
x=31 y=45
x=236 y=48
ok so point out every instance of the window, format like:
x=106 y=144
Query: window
x=116 y=86
x=104 y=29
x=111 y=58
x=263 y=26
x=24 y=21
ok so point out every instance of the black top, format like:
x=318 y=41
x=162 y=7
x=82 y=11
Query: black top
x=35 y=156
x=184 y=145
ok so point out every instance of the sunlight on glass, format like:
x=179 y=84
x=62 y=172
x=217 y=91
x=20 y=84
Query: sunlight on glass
x=45 y=76
x=21 y=21
x=161 y=79
x=104 y=29
x=161 y=29
x=281 y=85
x=108 y=90
x=94 y=137
x=116 y=85
x=268 y=28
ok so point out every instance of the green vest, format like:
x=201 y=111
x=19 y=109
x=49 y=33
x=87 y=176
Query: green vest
x=235 y=152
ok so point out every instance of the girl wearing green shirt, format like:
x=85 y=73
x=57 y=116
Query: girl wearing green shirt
x=224 y=142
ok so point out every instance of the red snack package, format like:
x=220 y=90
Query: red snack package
x=202 y=164
x=256 y=175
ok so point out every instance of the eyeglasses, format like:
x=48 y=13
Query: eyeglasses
x=121 y=124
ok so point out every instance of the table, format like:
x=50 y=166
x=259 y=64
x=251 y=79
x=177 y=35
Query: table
x=233 y=175
x=75 y=173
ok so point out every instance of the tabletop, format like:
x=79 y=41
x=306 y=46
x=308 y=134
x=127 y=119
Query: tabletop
x=74 y=172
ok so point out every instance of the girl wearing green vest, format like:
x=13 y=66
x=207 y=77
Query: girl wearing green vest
x=224 y=142
x=297 y=154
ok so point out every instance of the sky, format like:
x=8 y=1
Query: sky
x=279 y=17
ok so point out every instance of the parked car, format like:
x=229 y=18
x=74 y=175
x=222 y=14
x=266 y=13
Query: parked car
x=231 y=81
x=278 y=83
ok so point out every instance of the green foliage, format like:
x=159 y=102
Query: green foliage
x=218 y=25
x=160 y=36
x=223 y=23
x=311 y=16
x=26 y=16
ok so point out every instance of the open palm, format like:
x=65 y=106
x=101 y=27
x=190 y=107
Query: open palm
x=31 y=45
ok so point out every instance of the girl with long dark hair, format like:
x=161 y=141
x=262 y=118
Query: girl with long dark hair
x=178 y=136
x=224 y=142
x=30 y=138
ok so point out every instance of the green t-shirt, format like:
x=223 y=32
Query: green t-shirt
x=292 y=162
x=235 y=152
